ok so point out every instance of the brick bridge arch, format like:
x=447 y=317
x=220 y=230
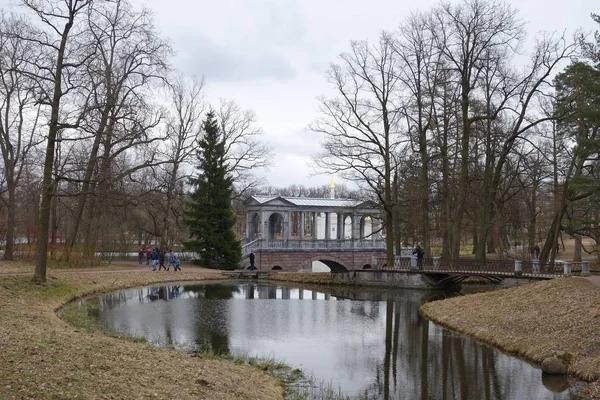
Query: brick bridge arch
x=337 y=261
x=334 y=263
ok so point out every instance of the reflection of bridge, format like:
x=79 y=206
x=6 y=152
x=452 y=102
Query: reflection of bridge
x=289 y=233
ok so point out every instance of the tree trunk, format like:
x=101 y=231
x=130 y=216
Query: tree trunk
x=53 y=226
x=389 y=216
x=425 y=196
x=446 y=197
x=464 y=171
x=577 y=250
x=47 y=182
x=85 y=187
x=487 y=199
x=491 y=243
x=170 y=189
x=397 y=214
x=533 y=220
x=11 y=218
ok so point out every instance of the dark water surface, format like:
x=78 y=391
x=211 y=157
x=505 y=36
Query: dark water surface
x=371 y=343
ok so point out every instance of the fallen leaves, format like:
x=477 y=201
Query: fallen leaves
x=45 y=358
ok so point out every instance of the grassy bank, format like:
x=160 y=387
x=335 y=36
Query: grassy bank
x=560 y=317
x=320 y=278
x=43 y=357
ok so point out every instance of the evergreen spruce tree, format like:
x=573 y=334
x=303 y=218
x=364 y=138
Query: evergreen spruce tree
x=209 y=215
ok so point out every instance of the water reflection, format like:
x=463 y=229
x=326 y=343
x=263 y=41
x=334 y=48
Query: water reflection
x=373 y=344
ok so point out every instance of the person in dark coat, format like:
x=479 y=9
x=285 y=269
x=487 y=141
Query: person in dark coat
x=161 y=260
x=419 y=252
x=252 y=267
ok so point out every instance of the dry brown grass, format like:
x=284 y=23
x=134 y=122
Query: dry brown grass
x=557 y=317
x=42 y=357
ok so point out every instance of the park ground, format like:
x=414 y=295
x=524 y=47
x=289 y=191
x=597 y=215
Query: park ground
x=45 y=358
x=42 y=357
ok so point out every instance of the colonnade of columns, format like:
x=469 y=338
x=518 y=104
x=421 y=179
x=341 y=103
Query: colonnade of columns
x=262 y=223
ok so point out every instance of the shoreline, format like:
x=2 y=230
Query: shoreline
x=556 y=318
x=563 y=313
x=532 y=322
x=44 y=357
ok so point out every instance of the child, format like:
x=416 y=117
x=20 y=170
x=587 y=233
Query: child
x=171 y=259
x=177 y=264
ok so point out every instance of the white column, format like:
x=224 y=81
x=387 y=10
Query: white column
x=585 y=268
x=327 y=226
x=314 y=226
x=248 y=225
x=286 y=225
x=518 y=268
x=264 y=225
x=355 y=227
x=566 y=268
x=301 y=233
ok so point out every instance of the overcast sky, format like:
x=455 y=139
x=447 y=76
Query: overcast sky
x=271 y=55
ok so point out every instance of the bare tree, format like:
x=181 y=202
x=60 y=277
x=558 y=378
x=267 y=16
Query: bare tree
x=19 y=113
x=184 y=126
x=419 y=72
x=244 y=151
x=361 y=124
x=518 y=111
x=465 y=34
x=62 y=53
x=129 y=57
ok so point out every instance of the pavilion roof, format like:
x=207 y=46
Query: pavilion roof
x=311 y=202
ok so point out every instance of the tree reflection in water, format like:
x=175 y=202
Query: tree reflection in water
x=372 y=343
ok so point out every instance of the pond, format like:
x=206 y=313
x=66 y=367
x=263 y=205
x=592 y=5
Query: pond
x=370 y=343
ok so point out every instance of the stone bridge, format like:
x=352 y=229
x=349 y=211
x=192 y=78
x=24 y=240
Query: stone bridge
x=298 y=260
x=295 y=255
x=289 y=233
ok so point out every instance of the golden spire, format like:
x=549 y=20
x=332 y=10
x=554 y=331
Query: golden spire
x=332 y=189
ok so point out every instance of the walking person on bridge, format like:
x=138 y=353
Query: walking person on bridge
x=252 y=267
x=419 y=252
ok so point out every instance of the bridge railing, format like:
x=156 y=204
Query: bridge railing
x=249 y=247
x=299 y=244
x=471 y=266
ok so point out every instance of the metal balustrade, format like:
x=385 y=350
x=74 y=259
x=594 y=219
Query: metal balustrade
x=468 y=266
x=298 y=244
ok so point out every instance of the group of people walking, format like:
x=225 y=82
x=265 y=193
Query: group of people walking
x=157 y=257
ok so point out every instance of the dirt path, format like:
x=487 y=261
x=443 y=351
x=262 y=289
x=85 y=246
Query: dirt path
x=595 y=279
x=117 y=268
